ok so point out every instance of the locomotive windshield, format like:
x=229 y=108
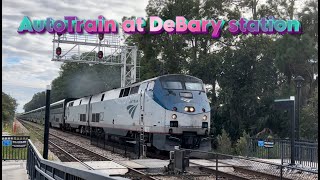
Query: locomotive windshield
x=172 y=85
x=194 y=86
x=180 y=82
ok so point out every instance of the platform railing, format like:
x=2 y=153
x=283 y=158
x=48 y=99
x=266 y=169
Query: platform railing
x=306 y=153
x=39 y=168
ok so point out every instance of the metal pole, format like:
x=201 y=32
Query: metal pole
x=139 y=148
x=292 y=114
x=298 y=80
x=281 y=147
x=298 y=113
x=46 y=124
x=217 y=166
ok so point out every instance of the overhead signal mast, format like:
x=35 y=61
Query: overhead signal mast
x=103 y=49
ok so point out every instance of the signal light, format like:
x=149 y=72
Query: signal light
x=58 y=51
x=175 y=109
x=100 y=54
x=101 y=36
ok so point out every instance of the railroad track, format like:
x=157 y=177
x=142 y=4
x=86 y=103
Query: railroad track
x=119 y=148
x=70 y=151
x=114 y=147
x=83 y=154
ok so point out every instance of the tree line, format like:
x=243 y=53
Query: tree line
x=247 y=72
x=9 y=105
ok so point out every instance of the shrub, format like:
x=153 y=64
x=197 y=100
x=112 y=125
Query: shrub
x=224 y=143
x=242 y=144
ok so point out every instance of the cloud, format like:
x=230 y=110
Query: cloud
x=26 y=59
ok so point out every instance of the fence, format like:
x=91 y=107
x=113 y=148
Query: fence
x=14 y=147
x=306 y=153
x=251 y=166
x=39 y=168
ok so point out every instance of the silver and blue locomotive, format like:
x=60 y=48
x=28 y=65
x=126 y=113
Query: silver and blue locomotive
x=170 y=110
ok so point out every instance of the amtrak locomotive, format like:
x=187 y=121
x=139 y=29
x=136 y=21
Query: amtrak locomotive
x=170 y=110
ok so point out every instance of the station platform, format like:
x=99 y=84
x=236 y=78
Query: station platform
x=120 y=167
x=14 y=170
x=103 y=167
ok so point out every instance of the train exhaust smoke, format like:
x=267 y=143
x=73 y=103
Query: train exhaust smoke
x=92 y=80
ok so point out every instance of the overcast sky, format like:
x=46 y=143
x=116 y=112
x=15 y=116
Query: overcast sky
x=26 y=59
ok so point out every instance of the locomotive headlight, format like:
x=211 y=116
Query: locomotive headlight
x=191 y=109
x=204 y=117
x=174 y=116
x=186 y=109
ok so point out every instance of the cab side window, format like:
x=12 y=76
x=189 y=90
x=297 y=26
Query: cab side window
x=126 y=92
x=134 y=90
x=121 y=93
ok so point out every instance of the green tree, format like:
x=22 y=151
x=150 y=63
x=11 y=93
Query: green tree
x=9 y=105
x=309 y=119
x=38 y=100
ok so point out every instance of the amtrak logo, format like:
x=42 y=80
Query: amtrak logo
x=185 y=100
x=132 y=109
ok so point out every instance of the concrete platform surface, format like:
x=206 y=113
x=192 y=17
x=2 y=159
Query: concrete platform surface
x=104 y=167
x=152 y=163
x=14 y=170
x=107 y=167
x=211 y=165
x=206 y=163
x=132 y=164
x=76 y=165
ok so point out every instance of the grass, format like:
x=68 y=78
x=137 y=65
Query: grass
x=7 y=127
x=37 y=137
